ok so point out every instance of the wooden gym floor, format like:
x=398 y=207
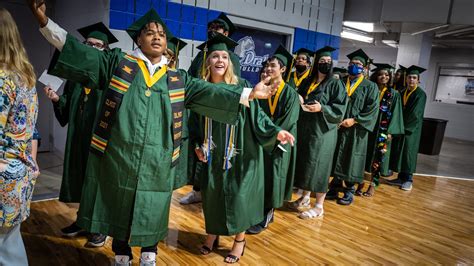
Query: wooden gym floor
x=433 y=223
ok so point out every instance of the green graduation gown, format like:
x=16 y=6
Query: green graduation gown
x=233 y=200
x=292 y=82
x=195 y=68
x=351 y=148
x=395 y=128
x=405 y=157
x=127 y=191
x=280 y=165
x=78 y=112
x=317 y=135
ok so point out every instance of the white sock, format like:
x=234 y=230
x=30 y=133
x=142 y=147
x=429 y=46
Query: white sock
x=319 y=206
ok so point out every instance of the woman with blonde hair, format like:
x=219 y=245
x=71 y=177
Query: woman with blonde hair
x=18 y=112
x=232 y=175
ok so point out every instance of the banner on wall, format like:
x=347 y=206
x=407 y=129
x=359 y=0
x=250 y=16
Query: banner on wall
x=255 y=46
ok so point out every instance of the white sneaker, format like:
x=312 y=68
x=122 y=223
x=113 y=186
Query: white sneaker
x=191 y=197
x=148 y=259
x=122 y=260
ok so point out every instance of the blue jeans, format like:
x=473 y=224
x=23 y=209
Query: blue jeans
x=12 y=249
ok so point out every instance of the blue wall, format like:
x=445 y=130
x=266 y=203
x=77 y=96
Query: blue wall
x=190 y=22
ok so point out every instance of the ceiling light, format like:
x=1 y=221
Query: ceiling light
x=391 y=43
x=363 y=26
x=355 y=36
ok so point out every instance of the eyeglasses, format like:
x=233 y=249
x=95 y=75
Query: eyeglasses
x=95 y=45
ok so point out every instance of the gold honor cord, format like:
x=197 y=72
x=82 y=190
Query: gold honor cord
x=407 y=96
x=275 y=100
x=311 y=88
x=350 y=89
x=382 y=93
x=299 y=80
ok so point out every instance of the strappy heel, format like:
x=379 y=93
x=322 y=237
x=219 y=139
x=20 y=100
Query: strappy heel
x=234 y=258
x=205 y=250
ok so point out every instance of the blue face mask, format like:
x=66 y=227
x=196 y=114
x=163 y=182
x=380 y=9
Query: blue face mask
x=354 y=70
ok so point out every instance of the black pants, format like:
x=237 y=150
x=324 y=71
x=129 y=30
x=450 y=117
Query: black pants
x=121 y=247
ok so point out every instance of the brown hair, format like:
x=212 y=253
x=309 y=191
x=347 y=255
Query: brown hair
x=12 y=52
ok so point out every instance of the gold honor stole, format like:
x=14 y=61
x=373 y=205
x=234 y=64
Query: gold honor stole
x=406 y=95
x=350 y=89
x=299 y=80
x=382 y=93
x=273 y=104
x=311 y=88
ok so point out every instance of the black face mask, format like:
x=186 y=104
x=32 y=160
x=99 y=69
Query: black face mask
x=300 y=69
x=324 y=67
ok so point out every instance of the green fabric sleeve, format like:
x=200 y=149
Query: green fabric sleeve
x=265 y=131
x=396 y=126
x=414 y=113
x=334 y=111
x=367 y=117
x=80 y=63
x=217 y=101
x=61 y=107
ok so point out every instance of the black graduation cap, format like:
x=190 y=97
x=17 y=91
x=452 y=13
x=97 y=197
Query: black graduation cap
x=415 y=70
x=305 y=51
x=341 y=70
x=175 y=44
x=383 y=67
x=359 y=55
x=401 y=68
x=325 y=51
x=225 y=21
x=219 y=42
x=98 y=31
x=150 y=16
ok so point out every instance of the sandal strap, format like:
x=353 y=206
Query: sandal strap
x=206 y=248
x=239 y=241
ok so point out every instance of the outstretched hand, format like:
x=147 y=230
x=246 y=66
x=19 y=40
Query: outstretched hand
x=264 y=91
x=285 y=137
x=39 y=11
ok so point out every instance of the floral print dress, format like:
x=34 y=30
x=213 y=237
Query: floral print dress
x=18 y=113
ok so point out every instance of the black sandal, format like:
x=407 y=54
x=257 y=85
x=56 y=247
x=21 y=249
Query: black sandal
x=234 y=258
x=205 y=250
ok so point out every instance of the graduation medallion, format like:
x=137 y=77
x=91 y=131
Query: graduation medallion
x=148 y=92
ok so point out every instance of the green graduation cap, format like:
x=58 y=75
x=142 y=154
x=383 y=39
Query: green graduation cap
x=176 y=45
x=415 y=70
x=150 y=16
x=305 y=51
x=359 y=55
x=341 y=70
x=98 y=31
x=283 y=55
x=383 y=67
x=325 y=51
x=225 y=21
x=219 y=42
x=286 y=58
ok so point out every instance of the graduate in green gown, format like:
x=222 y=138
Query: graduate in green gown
x=283 y=108
x=302 y=66
x=325 y=101
x=414 y=101
x=359 y=120
x=77 y=108
x=175 y=45
x=232 y=184
x=135 y=148
x=221 y=25
x=389 y=124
